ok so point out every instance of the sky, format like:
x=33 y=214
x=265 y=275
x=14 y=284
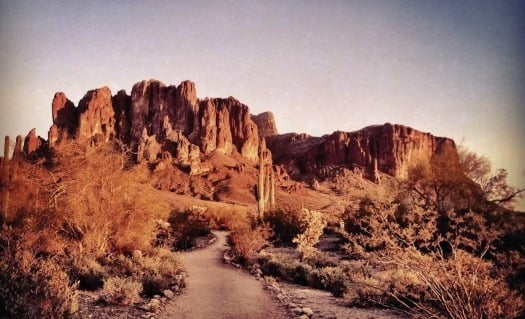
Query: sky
x=451 y=68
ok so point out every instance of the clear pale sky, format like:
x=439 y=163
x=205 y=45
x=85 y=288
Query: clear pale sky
x=451 y=68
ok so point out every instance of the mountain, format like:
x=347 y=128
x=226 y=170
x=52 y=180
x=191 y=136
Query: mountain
x=169 y=123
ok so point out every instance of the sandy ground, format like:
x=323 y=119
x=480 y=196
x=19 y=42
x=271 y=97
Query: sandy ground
x=217 y=290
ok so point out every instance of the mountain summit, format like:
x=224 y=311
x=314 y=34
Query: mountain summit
x=159 y=122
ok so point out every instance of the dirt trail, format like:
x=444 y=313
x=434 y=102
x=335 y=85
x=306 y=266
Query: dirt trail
x=217 y=290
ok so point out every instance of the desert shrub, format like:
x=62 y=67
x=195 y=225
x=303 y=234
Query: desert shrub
x=34 y=288
x=435 y=263
x=286 y=224
x=162 y=271
x=226 y=219
x=87 y=272
x=249 y=239
x=287 y=269
x=79 y=221
x=121 y=291
x=313 y=224
x=334 y=279
x=429 y=285
x=299 y=273
x=187 y=226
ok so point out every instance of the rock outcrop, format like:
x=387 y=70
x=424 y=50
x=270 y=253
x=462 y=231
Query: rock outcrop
x=96 y=120
x=180 y=121
x=168 y=124
x=265 y=124
x=65 y=119
x=155 y=119
x=33 y=144
x=391 y=149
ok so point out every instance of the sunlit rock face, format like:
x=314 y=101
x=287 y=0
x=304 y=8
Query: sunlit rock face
x=33 y=144
x=157 y=118
x=64 y=116
x=265 y=124
x=391 y=149
x=212 y=124
x=96 y=117
x=169 y=123
x=395 y=148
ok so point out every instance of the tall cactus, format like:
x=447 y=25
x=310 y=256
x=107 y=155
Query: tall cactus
x=4 y=185
x=266 y=183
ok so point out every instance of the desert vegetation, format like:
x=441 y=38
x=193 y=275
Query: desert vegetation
x=81 y=220
x=443 y=243
x=440 y=246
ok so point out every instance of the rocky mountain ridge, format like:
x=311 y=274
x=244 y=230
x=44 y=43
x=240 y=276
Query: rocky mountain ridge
x=170 y=124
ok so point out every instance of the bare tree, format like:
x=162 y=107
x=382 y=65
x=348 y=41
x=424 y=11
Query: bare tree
x=494 y=186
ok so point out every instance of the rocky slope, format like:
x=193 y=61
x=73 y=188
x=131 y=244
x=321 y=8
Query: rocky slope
x=170 y=124
x=157 y=122
x=391 y=149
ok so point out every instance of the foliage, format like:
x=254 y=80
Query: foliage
x=248 y=240
x=121 y=291
x=286 y=224
x=435 y=264
x=494 y=186
x=80 y=216
x=33 y=287
x=334 y=279
x=313 y=224
x=432 y=286
x=162 y=271
x=187 y=226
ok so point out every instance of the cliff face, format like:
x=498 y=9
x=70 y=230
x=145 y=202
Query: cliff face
x=391 y=149
x=157 y=119
x=265 y=124
x=169 y=123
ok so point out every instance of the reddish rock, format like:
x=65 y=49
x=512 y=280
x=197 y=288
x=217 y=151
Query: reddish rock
x=265 y=124
x=222 y=125
x=33 y=144
x=64 y=115
x=148 y=149
x=388 y=148
x=96 y=116
x=183 y=115
x=122 y=108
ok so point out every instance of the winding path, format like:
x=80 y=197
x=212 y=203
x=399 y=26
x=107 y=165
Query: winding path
x=217 y=290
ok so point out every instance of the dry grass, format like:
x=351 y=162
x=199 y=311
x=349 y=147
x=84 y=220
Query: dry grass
x=249 y=240
x=121 y=291
x=72 y=217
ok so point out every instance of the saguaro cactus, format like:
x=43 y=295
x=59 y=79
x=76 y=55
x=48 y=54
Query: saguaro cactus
x=266 y=183
x=4 y=185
